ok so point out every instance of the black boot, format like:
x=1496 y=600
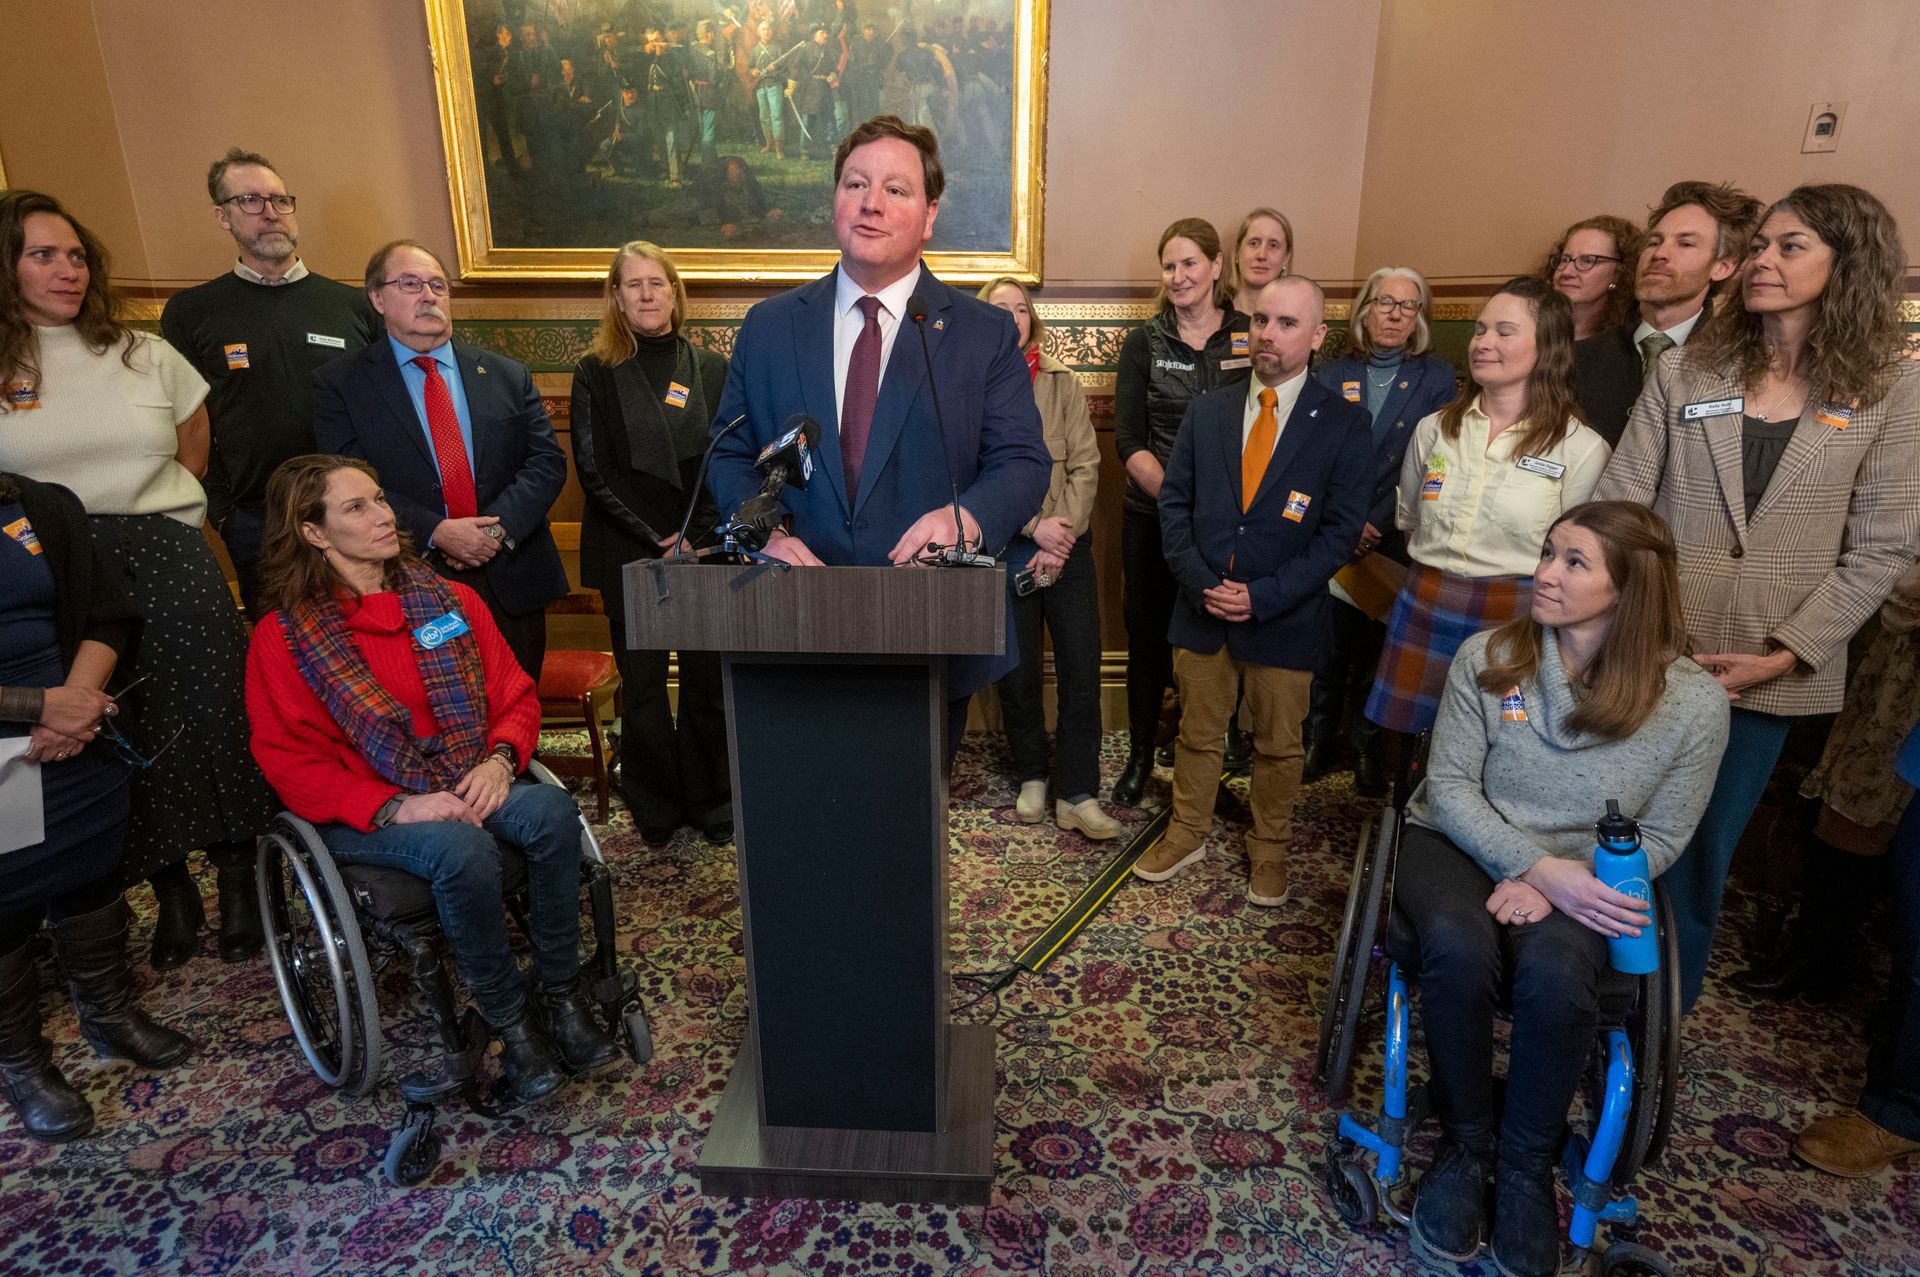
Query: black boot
x=527 y=1060
x=1369 y=777
x=1239 y=750
x=177 y=923
x=1450 y=1209
x=241 y=936
x=1819 y=963
x=50 y=1110
x=1322 y=750
x=572 y=1029
x=92 y=949
x=1133 y=778
x=1526 y=1221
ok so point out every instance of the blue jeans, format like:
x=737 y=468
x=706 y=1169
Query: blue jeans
x=463 y=865
x=1698 y=878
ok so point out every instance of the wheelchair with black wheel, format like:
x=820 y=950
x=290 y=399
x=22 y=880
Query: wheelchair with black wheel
x=330 y=928
x=1630 y=1089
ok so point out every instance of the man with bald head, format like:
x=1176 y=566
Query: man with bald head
x=1264 y=499
x=462 y=443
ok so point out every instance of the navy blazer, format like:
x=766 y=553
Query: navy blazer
x=783 y=364
x=1426 y=384
x=1302 y=527
x=361 y=409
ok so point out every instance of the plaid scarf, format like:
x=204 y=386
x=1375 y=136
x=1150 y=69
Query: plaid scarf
x=379 y=726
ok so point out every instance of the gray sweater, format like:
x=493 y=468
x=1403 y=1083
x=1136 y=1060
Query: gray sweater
x=1509 y=782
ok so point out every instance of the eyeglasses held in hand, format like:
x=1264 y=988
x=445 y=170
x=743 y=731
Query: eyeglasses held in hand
x=1392 y=306
x=1583 y=263
x=412 y=284
x=126 y=750
x=252 y=204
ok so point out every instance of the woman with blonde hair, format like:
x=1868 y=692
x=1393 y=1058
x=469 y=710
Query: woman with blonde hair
x=1591 y=265
x=1782 y=444
x=1196 y=342
x=643 y=398
x=1588 y=696
x=1262 y=253
x=1053 y=555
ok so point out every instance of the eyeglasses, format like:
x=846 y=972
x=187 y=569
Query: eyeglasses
x=252 y=204
x=1583 y=263
x=412 y=284
x=110 y=732
x=1394 y=306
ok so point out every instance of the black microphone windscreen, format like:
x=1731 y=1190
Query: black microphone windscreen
x=807 y=426
x=917 y=309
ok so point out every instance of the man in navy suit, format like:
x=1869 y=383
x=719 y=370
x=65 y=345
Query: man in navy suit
x=842 y=349
x=463 y=446
x=1264 y=499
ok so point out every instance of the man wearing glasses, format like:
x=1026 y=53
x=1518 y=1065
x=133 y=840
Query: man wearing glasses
x=463 y=446
x=257 y=333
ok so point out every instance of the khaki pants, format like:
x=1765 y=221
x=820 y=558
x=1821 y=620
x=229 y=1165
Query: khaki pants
x=1276 y=701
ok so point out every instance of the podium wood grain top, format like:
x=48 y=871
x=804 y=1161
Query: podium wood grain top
x=839 y=611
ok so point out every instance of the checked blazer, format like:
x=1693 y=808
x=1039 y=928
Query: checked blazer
x=1834 y=531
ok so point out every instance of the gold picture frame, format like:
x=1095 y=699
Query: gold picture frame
x=503 y=196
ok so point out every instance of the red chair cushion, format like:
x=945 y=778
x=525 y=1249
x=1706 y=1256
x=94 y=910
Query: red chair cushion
x=565 y=676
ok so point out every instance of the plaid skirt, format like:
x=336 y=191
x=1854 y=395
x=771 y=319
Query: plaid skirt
x=1434 y=614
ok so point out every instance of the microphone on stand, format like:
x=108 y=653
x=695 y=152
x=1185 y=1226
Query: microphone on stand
x=699 y=480
x=955 y=555
x=786 y=462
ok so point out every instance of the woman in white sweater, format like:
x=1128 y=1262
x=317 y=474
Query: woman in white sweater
x=1590 y=697
x=117 y=416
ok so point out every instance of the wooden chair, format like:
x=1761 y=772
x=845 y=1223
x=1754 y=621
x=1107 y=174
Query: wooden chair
x=581 y=688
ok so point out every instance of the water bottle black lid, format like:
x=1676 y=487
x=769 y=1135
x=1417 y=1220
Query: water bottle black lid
x=1615 y=830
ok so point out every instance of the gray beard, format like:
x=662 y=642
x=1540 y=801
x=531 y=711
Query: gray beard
x=257 y=246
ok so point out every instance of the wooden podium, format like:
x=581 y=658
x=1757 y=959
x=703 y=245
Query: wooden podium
x=851 y=1082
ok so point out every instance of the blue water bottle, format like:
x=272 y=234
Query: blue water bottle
x=1619 y=862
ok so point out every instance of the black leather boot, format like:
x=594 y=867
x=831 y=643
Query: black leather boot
x=1526 y=1221
x=50 y=1109
x=177 y=923
x=1369 y=774
x=241 y=936
x=527 y=1060
x=572 y=1028
x=1239 y=749
x=1133 y=778
x=1450 y=1208
x=92 y=949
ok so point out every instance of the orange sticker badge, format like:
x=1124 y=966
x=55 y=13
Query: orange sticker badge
x=1297 y=503
x=1351 y=390
x=236 y=353
x=1839 y=416
x=1513 y=707
x=1237 y=344
x=676 y=395
x=22 y=396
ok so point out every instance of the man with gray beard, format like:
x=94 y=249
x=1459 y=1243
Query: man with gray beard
x=257 y=333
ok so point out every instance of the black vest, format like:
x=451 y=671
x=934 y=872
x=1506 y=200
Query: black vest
x=1176 y=377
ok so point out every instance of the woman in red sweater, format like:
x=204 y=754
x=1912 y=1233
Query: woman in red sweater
x=388 y=710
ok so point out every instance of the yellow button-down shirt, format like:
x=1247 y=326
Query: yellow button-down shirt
x=1478 y=509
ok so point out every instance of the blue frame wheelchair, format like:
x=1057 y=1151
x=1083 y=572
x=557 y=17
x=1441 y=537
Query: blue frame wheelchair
x=319 y=917
x=1631 y=1087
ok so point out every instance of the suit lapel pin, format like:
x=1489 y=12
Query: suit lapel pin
x=1403 y=385
x=481 y=369
x=939 y=325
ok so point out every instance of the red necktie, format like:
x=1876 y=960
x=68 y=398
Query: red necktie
x=863 y=387
x=443 y=423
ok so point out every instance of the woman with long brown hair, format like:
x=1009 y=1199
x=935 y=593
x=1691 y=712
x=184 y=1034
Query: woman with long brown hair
x=1195 y=343
x=1590 y=696
x=1481 y=482
x=388 y=710
x=642 y=400
x=1782 y=444
x=117 y=416
x=1591 y=265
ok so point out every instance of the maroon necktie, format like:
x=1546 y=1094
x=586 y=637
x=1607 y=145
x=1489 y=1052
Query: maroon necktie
x=443 y=423
x=863 y=387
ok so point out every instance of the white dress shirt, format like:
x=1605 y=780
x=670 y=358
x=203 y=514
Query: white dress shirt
x=848 y=321
x=295 y=273
x=1286 y=395
x=1679 y=332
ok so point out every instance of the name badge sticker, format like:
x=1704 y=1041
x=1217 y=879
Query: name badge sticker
x=441 y=629
x=1350 y=389
x=676 y=395
x=1296 y=509
x=22 y=396
x=236 y=353
x=1513 y=707
x=321 y=339
x=1242 y=362
x=1237 y=344
x=1715 y=408
x=1837 y=415
x=1434 y=479
x=22 y=531
x=1540 y=466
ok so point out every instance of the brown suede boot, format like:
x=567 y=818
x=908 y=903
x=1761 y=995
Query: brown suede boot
x=1267 y=879
x=1851 y=1145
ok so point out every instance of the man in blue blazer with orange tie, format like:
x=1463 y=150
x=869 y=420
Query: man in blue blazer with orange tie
x=1264 y=499
x=464 y=448
x=844 y=351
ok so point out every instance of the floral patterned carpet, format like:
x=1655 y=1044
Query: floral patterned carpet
x=1156 y=1113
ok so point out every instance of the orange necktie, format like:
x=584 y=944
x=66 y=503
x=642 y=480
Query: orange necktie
x=1259 y=449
